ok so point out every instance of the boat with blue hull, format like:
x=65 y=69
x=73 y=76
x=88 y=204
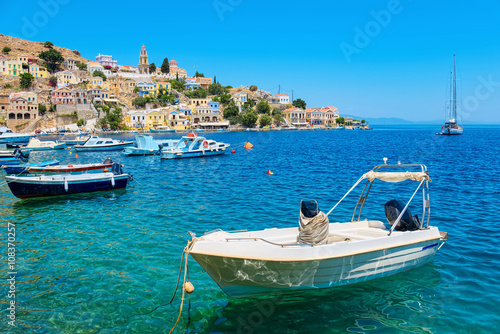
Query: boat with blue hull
x=192 y=146
x=66 y=184
x=73 y=169
x=95 y=143
x=24 y=168
x=7 y=136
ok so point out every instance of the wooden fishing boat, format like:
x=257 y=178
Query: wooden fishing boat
x=24 y=168
x=73 y=169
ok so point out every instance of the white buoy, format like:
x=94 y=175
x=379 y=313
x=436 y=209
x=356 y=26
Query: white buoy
x=188 y=286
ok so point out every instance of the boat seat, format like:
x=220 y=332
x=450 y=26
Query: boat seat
x=353 y=236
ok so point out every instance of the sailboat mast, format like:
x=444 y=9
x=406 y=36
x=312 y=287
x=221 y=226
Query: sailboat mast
x=454 y=91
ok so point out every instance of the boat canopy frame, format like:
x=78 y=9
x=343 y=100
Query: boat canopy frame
x=371 y=176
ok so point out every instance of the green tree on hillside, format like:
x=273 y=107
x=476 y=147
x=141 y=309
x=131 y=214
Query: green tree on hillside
x=42 y=109
x=139 y=101
x=52 y=58
x=265 y=120
x=249 y=118
x=216 y=89
x=197 y=74
x=152 y=68
x=263 y=107
x=81 y=66
x=299 y=103
x=165 y=66
x=198 y=93
x=178 y=84
x=277 y=118
x=53 y=81
x=6 y=49
x=48 y=45
x=99 y=74
x=231 y=110
x=340 y=120
x=26 y=79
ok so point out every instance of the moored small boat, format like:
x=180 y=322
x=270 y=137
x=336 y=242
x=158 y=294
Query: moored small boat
x=36 y=145
x=321 y=254
x=72 y=169
x=192 y=146
x=7 y=136
x=95 y=143
x=146 y=145
x=24 y=168
x=65 y=184
x=161 y=129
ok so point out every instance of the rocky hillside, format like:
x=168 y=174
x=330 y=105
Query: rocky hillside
x=22 y=46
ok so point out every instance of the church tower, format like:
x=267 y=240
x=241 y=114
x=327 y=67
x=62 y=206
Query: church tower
x=143 y=61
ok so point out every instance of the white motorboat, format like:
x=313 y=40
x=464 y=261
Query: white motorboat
x=192 y=146
x=95 y=143
x=146 y=145
x=321 y=254
x=36 y=145
x=7 y=136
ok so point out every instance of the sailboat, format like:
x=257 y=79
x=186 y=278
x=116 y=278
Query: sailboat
x=451 y=126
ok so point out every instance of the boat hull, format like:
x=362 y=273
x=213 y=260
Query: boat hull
x=65 y=169
x=241 y=277
x=139 y=151
x=25 y=168
x=191 y=154
x=114 y=147
x=31 y=187
x=19 y=139
x=161 y=131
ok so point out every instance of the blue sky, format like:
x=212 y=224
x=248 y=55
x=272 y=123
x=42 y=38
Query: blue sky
x=367 y=58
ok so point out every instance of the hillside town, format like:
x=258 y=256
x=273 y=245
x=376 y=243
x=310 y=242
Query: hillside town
x=48 y=88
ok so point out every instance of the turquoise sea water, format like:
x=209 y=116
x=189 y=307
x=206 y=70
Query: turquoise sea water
x=102 y=262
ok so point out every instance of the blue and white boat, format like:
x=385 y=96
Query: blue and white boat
x=77 y=140
x=146 y=145
x=95 y=143
x=7 y=136
x=24 y=168
x=65 y=184
x=161 y=129
x=13 y=154
x=192 y=146
x=9 y=161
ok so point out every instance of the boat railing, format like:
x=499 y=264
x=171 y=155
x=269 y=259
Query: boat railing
x=269 y=242
x=220 y=230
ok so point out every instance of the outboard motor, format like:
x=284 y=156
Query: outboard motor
x=393 y=209
x=309 y=208
x=20 y=155
x=116 y=168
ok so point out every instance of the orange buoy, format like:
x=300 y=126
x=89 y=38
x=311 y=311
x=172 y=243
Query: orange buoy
x=76 y=155
x=248 y=146
x=70 y=165
x=269 y=172
x=233 y=151
x=105 y=170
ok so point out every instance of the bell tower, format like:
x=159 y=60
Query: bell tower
x=143 y=61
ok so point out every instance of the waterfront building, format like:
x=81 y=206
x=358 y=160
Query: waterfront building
x=23 y=107
x=314 y=116
x=143 y=61
x=38 y=71
x=136 y=119
x=65 y=95
x=155 y=117
x=330 y=114
x=214 y=105
x=280 y=99
x=177 y=120
x=106 y=60
x=295 y=116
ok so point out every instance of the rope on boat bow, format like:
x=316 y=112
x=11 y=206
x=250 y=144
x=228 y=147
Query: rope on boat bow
x=187 y=286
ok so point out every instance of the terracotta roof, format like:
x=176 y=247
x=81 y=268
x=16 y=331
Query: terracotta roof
x=282 y=94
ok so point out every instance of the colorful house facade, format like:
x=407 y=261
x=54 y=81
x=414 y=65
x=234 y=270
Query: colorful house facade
x=38 y=71
x=280 y=99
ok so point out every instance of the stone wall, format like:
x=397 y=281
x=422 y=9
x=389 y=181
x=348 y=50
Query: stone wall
x=82 y=110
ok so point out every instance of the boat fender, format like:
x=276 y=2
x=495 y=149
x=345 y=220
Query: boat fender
x=66 y=185
x=205 y=143
x=123 y=141
x=105 y=170
x=113 y=181
x=70 y=165
x=188 y=287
